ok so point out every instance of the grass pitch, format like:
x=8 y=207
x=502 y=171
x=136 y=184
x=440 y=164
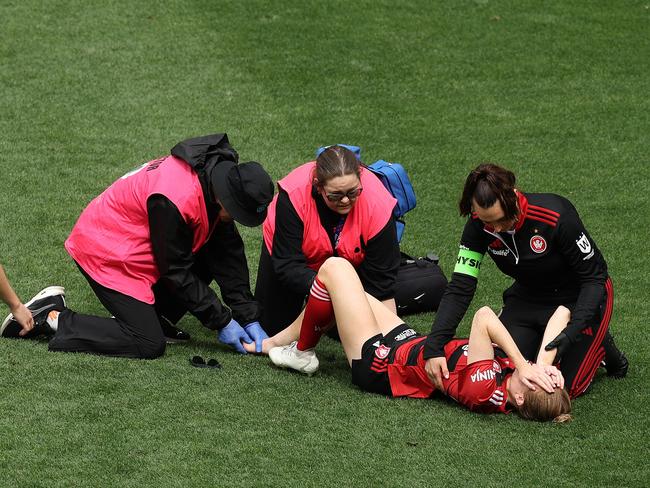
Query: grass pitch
x=556 y=91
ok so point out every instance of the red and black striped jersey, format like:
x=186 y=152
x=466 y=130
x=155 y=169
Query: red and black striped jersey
x=480 y=386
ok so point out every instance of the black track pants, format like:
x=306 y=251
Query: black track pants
x=134 y=332
x=526 y=321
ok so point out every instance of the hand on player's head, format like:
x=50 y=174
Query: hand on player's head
x=555 y=375
x=535 y=374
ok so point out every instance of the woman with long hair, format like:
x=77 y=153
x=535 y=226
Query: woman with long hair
x=539 y=240
x=332 y=206
x=385 y=355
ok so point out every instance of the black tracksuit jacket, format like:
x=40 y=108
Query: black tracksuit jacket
x=550 y=255
x=223 y=253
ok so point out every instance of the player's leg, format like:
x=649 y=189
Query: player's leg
x=317 y=318
x=580 y=363
x=337 y=291
x=358 y=316
x=46 y=301
x=616 y=362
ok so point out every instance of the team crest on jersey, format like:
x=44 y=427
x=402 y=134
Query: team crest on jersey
x=496 y=366
x=382 y=351
x=465 y=349
x=538 y=244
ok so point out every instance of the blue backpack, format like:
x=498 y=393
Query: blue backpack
x=397 y=182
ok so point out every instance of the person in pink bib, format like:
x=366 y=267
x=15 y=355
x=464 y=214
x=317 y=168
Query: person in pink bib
x=333 y=206
x=152 y=242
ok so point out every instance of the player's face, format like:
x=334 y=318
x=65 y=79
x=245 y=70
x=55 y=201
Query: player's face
x=341 y=192
x=494 y=216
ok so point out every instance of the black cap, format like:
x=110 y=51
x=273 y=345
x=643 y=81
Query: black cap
x=245 y=190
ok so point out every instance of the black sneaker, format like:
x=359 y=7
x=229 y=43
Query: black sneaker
x=615 y=361
x=46 y=300
x=173 y=335
x=617 y=369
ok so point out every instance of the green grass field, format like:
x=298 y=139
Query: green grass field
x=556 y=91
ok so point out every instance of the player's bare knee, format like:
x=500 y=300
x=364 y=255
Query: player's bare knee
x=484 y=314
x=332 y=267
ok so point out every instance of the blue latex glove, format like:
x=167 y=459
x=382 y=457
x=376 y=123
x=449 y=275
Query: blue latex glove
x=255 y=332
x=232 y=335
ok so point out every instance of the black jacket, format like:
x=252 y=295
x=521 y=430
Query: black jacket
x=551 y=257
x=171 y=240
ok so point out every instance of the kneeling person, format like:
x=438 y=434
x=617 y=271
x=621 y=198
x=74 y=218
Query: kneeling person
x=153 y=241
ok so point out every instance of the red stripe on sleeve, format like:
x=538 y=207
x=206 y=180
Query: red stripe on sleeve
x=547 y=211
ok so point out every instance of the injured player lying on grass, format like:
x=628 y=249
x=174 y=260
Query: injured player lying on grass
x=487 y=371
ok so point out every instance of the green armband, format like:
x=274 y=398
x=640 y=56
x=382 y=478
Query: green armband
x=468 y=262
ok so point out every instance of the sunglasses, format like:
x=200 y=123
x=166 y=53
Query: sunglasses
x=351 y=195
x=199 y=362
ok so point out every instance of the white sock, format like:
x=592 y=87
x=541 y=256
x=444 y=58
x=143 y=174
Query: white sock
x=53 y=320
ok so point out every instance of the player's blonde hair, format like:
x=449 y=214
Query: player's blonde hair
x=543 y=406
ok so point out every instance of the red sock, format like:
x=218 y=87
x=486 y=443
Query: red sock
x=319 y=313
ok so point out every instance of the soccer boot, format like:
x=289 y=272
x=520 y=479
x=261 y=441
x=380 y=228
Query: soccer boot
x=290 y=357
x=45 y=301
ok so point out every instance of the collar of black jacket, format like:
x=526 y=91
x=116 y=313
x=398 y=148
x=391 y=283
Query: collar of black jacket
x=199 y=151
x=202 y=154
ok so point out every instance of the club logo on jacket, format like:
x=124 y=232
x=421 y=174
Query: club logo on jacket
x=538 y=244
x=382 y=351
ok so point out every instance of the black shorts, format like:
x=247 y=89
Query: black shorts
x=370 y=373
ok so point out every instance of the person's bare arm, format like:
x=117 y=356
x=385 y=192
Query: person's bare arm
x=556 y=324
x=20 y=312
x=488 y=329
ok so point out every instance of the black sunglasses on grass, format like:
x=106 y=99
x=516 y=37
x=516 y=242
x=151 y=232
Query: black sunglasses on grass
x=199 y=362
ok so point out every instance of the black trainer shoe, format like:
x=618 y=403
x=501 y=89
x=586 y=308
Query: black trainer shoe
x=46 y=300
x=617 y=369
x=615 y=361
x=173 y=335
